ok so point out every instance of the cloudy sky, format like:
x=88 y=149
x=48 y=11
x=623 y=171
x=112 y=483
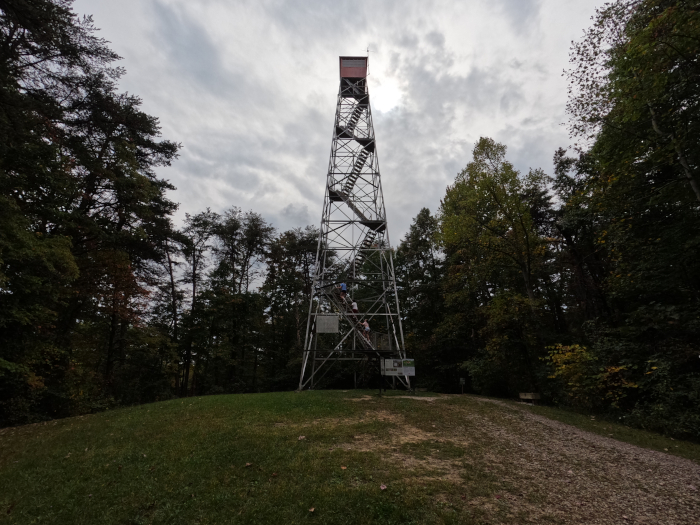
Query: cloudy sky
x=249 y=88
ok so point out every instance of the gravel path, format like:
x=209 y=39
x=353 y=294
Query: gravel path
x=581 y=477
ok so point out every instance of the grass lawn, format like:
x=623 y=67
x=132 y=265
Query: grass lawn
x=329 y=457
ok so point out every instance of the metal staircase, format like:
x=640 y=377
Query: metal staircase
x=354 y=118
x=348 y=242
x=363 y=251
x=355 y=173
x=344 y=307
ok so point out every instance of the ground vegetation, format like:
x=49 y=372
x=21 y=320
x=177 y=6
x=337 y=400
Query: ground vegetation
x=344 y=457
x=581 y=283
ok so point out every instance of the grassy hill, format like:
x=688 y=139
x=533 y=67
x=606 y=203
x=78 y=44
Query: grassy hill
x=340 y=457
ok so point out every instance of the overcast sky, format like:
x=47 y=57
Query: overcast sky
x=249 y=88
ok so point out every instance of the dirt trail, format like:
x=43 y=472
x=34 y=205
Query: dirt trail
x=588 y=478
x=552 y=472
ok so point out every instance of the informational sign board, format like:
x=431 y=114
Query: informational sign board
x=327 y=324
x=398 y=367
x=461 y=381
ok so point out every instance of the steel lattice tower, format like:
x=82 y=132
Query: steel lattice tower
x=353 y=247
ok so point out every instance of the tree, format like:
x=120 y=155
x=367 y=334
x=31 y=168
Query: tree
x=83 y=210
x=636 y=77
x=287 y=292
x=634 y=98
x=419 y=264
x=484 y=213
x=198 y=232
x=419 y=273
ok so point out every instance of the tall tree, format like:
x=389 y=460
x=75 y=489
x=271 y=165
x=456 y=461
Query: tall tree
x=636 y=76
x=484 y=211
x=198 y=233
x=82 y=206
x=287 y=291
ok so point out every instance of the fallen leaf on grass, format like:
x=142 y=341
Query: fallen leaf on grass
x=248 y=465
x=302 y=437
x=344 y=468
x=383 y=487
x=692 y=487
x=274 y=474
x=312 y=509
x=498 y=496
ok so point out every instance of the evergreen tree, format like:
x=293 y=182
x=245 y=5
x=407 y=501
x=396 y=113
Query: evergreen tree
x=82 y=212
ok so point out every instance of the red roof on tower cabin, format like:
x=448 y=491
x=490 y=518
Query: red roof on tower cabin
x=353 y=67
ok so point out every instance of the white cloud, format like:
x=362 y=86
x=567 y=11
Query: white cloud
x=386 y=94
x=249 y=88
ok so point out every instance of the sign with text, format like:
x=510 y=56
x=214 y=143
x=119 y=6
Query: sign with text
x=398 y=367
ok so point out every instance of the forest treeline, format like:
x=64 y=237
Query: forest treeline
x=103 y=301
x=582 y=284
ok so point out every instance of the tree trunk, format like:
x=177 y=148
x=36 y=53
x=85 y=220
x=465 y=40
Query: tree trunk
x=186 y=376
x=528 y=287
x=111 y=342
x=173 y=294
x=255 y=368
x=681 y=156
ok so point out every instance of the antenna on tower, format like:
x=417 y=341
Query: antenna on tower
x=354 y=285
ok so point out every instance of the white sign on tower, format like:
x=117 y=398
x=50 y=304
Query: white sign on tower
x=398 y=367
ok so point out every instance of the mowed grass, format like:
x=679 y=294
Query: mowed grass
x=240 y=459
x=184 y=461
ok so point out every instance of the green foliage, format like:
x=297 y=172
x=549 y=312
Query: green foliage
x=484 y=217
x=419 y=268
x=635 y=82
x=495 y=253
x=507 y=362
x=644 y=190
x=606 y=279
x=584 y=383
x=81 y=211
x=584 y=286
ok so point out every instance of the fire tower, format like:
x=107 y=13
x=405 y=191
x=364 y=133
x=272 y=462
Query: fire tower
x=353 y=249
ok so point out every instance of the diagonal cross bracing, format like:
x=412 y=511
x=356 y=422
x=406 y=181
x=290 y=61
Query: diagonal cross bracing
x=353 y=246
